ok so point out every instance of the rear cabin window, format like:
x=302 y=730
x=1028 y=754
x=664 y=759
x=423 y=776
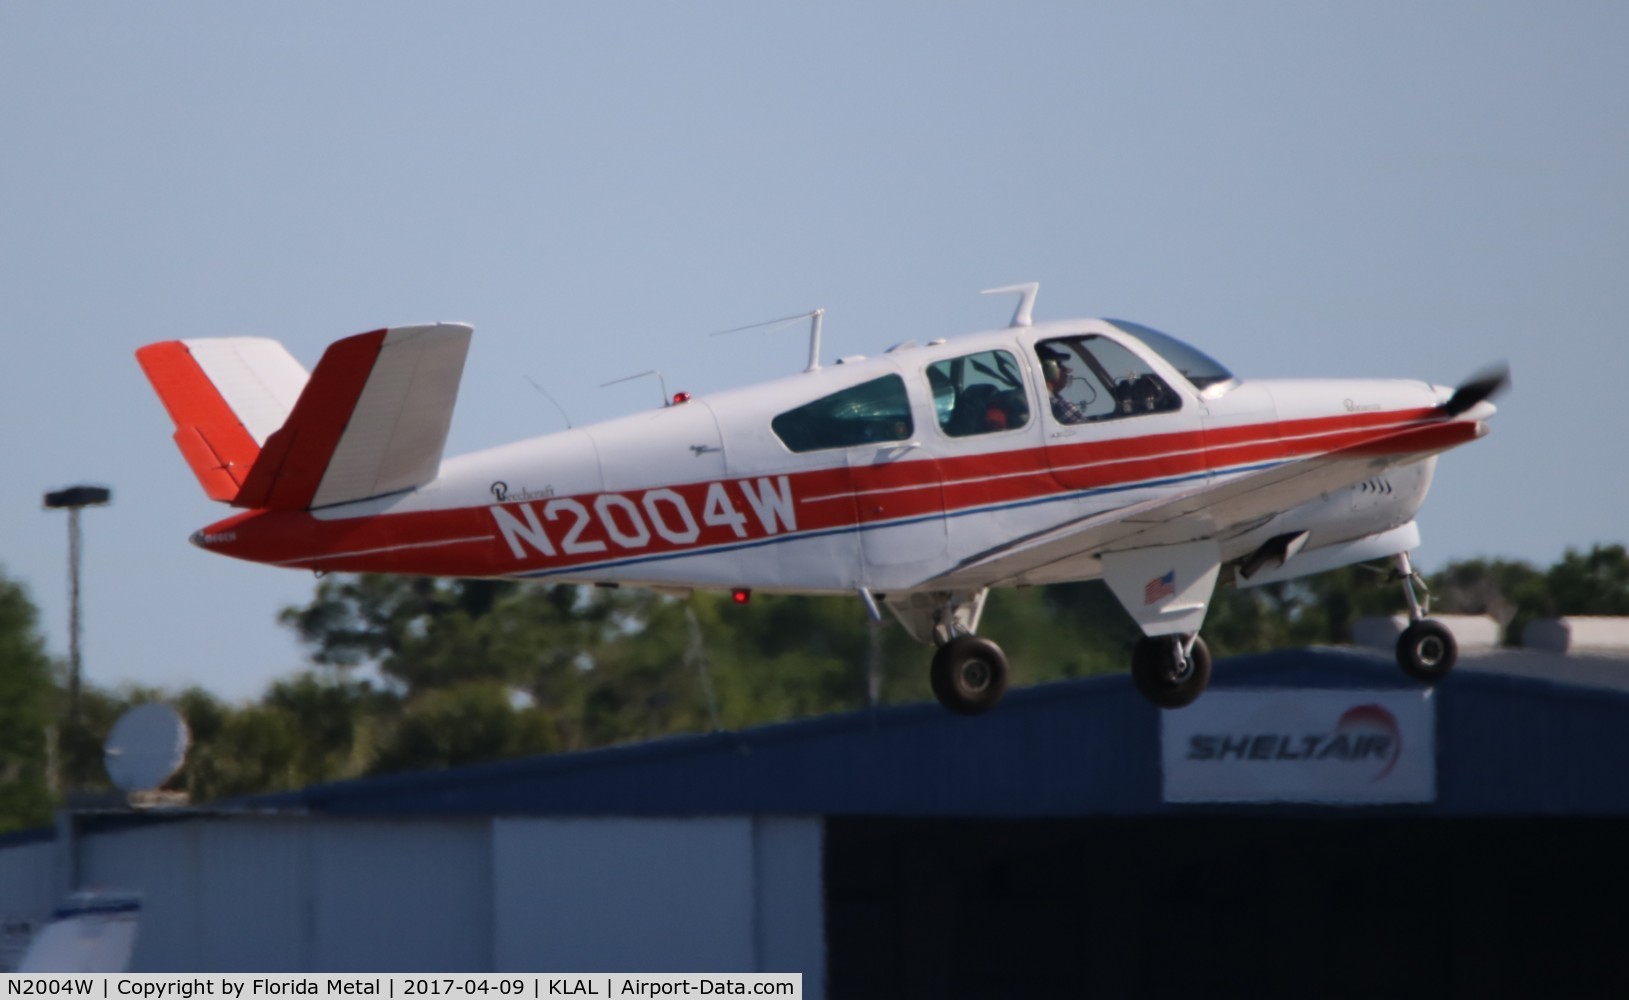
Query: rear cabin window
x=978 y=394
x=872 y=411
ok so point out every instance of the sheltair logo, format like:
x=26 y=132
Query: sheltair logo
x=1365 y=734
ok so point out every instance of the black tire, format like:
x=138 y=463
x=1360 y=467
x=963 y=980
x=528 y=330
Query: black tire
x=1154 y=669
x=1427 y=651
x=969 y=675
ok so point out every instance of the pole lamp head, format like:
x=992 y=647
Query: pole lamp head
x=78 y=496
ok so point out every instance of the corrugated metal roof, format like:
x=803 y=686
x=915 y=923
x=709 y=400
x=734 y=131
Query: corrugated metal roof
x=1518 y=733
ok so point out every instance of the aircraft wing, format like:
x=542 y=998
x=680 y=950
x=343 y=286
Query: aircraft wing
x=371 y=420
x=1209 y=511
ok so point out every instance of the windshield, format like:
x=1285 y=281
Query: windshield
x=1195 y=365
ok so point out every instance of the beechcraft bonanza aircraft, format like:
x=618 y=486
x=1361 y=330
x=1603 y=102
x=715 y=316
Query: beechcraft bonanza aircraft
x=917 y=480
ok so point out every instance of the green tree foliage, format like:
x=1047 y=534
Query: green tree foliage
x=462 y=724
x=27 y=710
x=311 y=728
x=1592 y=583
x=1580 y=583
x=1511 y=592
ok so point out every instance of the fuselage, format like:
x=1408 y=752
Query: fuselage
x=879 y=472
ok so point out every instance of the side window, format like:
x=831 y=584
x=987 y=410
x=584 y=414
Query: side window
x=1094 y=378
x=978 y=394
x=877 y=410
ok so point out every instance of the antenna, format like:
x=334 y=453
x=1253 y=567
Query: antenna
x=630 y=378
x=146 y=746
x=551 y=399
x=1026 y=301
x=814 y=316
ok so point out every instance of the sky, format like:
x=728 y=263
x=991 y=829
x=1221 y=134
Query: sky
x=1409 y=189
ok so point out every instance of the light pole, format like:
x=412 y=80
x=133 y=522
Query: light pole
x=73 y=499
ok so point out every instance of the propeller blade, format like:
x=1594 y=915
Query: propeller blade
x=1483 y=385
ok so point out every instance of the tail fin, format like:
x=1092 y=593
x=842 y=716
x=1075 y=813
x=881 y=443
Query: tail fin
x=227 y=396
x=371 y=419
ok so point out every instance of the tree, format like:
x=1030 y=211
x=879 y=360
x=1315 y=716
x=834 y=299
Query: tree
x=463 y=724
x=1510 y=591
x=27 y=705
x=1592 y=583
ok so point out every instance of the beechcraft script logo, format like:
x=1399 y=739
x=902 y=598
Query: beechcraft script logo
x=1159 y=587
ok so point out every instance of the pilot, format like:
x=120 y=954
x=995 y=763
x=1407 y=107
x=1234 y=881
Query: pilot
x=1055 y=369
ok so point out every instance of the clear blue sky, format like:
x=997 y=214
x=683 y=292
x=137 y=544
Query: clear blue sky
x=1410 y=189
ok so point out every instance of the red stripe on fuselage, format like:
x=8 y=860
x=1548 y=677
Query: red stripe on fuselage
x=468 y=542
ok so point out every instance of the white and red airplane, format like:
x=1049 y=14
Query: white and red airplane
x=916 y=480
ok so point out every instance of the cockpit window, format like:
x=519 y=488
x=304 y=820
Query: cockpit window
x=1196 y=366
x=877 y=410
x=1094 y=378
x=978 y=394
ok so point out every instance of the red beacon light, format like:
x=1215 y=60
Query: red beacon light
x=741 y=595
x=680 y=397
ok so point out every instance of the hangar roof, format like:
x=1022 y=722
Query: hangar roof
x=1518 y=733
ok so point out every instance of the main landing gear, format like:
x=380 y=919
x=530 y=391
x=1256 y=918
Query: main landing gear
x=1171 y=670
x=1426 y=650
x=969 y=674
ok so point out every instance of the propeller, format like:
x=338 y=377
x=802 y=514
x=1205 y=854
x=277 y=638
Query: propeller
x=1485 y=384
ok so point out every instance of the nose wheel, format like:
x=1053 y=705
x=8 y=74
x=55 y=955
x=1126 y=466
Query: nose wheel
x=1426 y=650
x=969 y=674
x=1171 y=670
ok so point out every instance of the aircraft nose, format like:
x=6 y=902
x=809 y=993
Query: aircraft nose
x=1443 y=396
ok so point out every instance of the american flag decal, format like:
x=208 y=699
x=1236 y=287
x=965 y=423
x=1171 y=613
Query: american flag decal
x=1160 y=586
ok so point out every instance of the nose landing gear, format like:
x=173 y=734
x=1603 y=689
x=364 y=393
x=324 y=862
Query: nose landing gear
x=1426 y=650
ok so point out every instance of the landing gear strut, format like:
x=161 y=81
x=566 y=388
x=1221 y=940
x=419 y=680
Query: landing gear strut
x=1426 y=650
x=1171 y=670
x=969 y=674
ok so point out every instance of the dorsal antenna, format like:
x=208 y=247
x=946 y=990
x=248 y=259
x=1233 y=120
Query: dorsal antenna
x=814 y=316
x=1026 y=300
x=629 y=378
x=548 y=396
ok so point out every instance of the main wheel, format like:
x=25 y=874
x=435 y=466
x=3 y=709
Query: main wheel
x=969 y=674
x=1427 y=651
x=1165 y=676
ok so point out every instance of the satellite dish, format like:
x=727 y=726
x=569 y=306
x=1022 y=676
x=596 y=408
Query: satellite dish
x=147 y=745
